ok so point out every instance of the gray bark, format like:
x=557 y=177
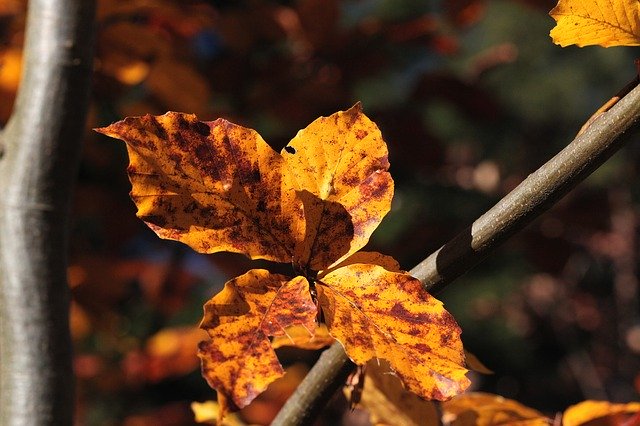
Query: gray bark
x=40 y=153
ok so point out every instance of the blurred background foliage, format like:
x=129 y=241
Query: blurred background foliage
x=471 y=96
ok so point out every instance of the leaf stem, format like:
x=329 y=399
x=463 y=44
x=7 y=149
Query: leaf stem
x=535 y=195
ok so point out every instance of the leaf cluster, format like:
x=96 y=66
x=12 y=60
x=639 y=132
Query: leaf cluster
x=218 y=186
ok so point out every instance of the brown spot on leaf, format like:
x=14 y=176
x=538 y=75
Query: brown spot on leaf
x=202 y=128
x=157 y=127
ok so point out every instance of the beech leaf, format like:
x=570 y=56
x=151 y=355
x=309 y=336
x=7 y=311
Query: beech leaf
x=596 y=22
x=609 y=413
x=209 y=412
x=214 y=186
x=303 y=338
x=377 y=313
x=339 y=159
x=388 y=403
x=484 y=409
x=239 y=360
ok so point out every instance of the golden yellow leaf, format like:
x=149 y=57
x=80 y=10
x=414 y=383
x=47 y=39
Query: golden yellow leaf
x=207 y=412
x=389 y=403
x=588 y=411
x=214 y=186
x=239 y=360
x=596 y=22
x=377 y=313
x=300 y=337
x=338 y=161
x=484 y=409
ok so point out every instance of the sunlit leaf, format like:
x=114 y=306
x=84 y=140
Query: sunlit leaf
x=377 y=313
x=339 y=159
x=596 y=22
x=483 y=409
x=212 y=185
x=218 y=186
x=606 y=412
x=389 y=403
x=239 y=360
x=300 y=337
x=207 y=412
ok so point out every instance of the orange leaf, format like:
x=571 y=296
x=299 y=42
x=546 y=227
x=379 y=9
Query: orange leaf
x=377 y=313
x=596 y=22
x=303 y=338
x=388 y=403
x=211 y=185
x=588 y=411
x=484 y=409
x=239 y=360
x=340 y=160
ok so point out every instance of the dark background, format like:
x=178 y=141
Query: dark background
x=471 y=96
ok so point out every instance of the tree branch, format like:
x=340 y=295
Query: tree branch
x=530 y=199
x=41 y=145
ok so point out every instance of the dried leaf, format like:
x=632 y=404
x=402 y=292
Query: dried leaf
x=596 y=22
x=588 y=411
x=388 y=403
x=239 y=361
x=211 y=185
x=300 y=337
x=377 y=313
x=484 y=409
x=339 y=159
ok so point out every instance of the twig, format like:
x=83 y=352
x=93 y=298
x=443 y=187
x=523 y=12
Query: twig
x=38 y=168
x=532 y=197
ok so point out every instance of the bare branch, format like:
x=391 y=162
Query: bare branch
x=535 y=195
x=41 y=145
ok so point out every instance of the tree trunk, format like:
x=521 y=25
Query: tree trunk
x=40 y=152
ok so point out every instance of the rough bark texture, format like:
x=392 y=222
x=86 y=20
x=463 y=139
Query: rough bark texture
x=530 y=199
x=40 y=152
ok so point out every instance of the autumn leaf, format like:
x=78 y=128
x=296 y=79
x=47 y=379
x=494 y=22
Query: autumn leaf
x=214 y=186
x=596 y=22
x=484 y=409
x=239 y=360
x=588 y=411
x=377 y=313
x=339 y=159
x=208 y=412
x=303 y=338
x=218 y=186
x=388 y=403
